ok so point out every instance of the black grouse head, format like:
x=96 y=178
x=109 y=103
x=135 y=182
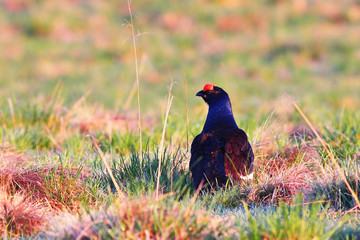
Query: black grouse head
x=213 y=95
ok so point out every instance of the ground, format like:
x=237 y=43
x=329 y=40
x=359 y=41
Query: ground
x=69 y=105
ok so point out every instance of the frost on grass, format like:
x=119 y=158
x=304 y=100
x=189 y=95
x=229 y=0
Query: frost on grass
x=334 y=190
x=144 y=218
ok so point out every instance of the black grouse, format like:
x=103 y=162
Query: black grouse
x=222 y=149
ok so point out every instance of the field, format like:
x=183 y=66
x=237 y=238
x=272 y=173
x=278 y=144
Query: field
x=73 y=164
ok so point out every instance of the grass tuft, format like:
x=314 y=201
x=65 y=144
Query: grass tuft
x=288 y=222
x=284 y=171
x=54 y=187
x=143 y=218
x=174 y=175
x=19 y=215
x=336 y=192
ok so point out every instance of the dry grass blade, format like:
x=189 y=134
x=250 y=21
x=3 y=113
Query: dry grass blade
x=342 y=175
x=11 y=106
x=130 y=97
x=187 y=115
x=102 y=156
x=76 y=105
x=161 y=148
x=52 y=138
x=133 y=90
x=137 y=76
x=55 y=94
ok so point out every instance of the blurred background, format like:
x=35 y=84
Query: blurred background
x=260 y=52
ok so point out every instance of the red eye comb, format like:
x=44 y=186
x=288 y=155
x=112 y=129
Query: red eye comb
x=209 y=87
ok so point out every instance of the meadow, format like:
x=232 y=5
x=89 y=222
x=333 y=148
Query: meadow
x=73 y=164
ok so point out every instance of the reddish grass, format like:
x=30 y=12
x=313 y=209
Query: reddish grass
x=282 y=171
x=27 y=193
x=145 y=218
x=53 y=186
x=19 y=215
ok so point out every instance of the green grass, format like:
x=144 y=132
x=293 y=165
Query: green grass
x=298 y=222
x=138 y=177
x=67 y=71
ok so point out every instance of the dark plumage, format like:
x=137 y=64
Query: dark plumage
x=222 y=149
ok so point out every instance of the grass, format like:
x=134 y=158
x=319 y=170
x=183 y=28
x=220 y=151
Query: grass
x=144 y=218
x=289 y=222
x=173 y=176
x=67 y=84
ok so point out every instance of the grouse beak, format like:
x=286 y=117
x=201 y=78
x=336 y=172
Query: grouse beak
x=200 y=94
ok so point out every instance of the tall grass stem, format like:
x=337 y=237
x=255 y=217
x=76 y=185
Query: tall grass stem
x=161 y=148
x=187 y=115
x=134 y=87
x=11 y=106
x=137 y=75
x=103 y=158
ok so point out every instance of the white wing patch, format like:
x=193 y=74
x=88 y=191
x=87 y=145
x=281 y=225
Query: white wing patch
x=248 y=177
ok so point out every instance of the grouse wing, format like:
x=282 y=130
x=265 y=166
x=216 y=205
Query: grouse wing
x=239 y=156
